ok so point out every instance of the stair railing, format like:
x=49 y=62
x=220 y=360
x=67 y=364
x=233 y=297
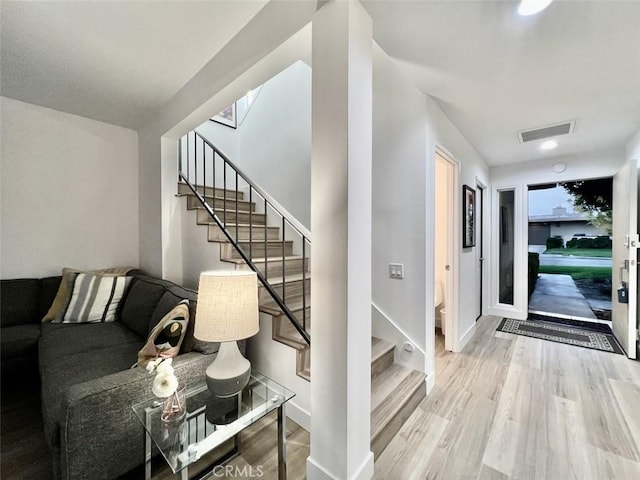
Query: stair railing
x=198 y=170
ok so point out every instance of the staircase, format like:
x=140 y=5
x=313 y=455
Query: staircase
x=251 y=233
x=396 y=391
x=249 y=240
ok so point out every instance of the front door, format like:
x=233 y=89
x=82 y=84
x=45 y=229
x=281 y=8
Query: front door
x=624 y=274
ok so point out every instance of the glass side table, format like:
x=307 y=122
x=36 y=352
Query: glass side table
x=211 y=421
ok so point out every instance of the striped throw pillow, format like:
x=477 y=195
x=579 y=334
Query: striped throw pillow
x=95 y=298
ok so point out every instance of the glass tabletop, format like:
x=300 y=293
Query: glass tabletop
x=210 y=421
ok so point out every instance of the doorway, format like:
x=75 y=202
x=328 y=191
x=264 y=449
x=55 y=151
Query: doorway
x=445 y=248
x=481 y=188
x=569 y=251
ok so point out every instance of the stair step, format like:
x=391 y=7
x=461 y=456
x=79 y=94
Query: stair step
x=381 y=355
x=220 y=203
x=283 y=330
x=395 y=394
x=183 y=189
x=292 y=287
x=273 y=248
x=244 y=232
x=292 y=265
x=271 y=307
x=303 y=364
x=229 y=216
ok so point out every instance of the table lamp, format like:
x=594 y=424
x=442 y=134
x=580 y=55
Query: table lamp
x=227 y=311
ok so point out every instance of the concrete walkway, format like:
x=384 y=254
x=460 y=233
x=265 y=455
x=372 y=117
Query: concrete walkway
x=558 y=294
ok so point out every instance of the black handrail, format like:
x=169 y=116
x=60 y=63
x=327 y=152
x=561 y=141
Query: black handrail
x=211 y=210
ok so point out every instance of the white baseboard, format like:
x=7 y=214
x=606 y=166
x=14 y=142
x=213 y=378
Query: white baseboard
x=467 y=336
x=316 y=471
x=430 y=381
x=298 y=415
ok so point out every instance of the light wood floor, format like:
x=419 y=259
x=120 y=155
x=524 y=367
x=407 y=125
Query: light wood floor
x=507 y=407
x=512 y=407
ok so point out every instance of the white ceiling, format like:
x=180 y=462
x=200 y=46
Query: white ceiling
x=494 y=73
x=116 y=62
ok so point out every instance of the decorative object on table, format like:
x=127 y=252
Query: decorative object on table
x=166 y=386
x=166 y=337
x=468 y=217
x=227 y=311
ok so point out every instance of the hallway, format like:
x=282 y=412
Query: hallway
x=512 y=407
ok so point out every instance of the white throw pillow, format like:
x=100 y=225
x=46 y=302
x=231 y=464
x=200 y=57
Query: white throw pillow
x=95 y=298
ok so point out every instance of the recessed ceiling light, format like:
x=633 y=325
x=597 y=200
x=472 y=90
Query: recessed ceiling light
x=531 y=7
x=549 y=145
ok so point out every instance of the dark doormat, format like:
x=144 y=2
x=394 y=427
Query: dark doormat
x=580 y=324
x=580 y=337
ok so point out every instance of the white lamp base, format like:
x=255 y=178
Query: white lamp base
x=229 y=372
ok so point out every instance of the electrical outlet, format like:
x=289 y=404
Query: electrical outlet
x=396 y=271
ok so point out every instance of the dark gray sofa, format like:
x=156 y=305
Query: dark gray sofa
x=87 y=384
x=23 y=303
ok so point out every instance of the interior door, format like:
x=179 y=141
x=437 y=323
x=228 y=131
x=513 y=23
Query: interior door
x=625 y=256
x=480 y=244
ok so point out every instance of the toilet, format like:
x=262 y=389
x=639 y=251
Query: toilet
x=438 y=302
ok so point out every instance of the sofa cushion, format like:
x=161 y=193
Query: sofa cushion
x=172 y=297
x=19 y=301
x=139 y=304
x=95 y=298
x=58 y=373
x=166 y=337
x=49 y=289
x=62 y=296
x=59 y=340
x=20 y=340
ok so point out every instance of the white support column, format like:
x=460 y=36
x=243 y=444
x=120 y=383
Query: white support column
x=341 y=258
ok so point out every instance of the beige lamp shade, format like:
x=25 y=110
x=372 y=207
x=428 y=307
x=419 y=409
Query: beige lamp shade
x=227 y=306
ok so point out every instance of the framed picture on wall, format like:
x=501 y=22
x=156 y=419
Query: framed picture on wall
x=468 y=217
x=227 y=116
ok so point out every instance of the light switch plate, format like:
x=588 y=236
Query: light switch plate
x=396 y=271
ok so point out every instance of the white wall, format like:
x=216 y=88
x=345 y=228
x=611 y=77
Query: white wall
x=69 y=192
x=579 y=167
x=407 y=129
x=399 y=200
x=273 y=144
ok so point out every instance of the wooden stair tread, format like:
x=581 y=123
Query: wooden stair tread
x=184 y=190
x=269 y=259
x=217 y=197
x=271 y=307
x=292 y=277
x=230 y=210
x=246 y=225
x=379 y=348
x=391 y=391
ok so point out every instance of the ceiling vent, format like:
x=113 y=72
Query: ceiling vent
x=546 y=132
